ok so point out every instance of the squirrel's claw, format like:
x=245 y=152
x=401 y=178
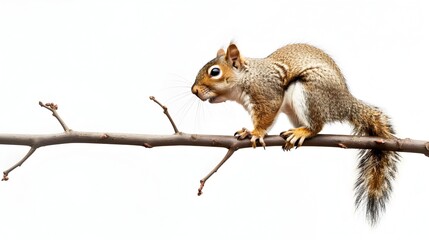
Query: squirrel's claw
x=287 y=146
x=295 y=137
x=260 y=139
x=244 y=133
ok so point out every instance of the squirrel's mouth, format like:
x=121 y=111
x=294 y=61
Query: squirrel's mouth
x=212 y=100
x=216 y=99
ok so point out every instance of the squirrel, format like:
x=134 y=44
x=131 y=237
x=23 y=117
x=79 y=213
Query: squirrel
x=306 y=84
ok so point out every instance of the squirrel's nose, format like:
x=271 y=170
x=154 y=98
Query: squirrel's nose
x=194 y=90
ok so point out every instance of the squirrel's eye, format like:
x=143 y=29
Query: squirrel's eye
x=215 y=72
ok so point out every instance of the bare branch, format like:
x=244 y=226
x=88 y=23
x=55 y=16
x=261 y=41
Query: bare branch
x=176 y=131
x=203 y=181
x=185 y=139
x=230 y=142
x=53 y=108
x=18 y=164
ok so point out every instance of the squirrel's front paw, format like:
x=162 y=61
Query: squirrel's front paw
x=244 y=133
x=295 y=136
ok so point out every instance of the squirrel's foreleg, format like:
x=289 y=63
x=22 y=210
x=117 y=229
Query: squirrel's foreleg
x=262 y=121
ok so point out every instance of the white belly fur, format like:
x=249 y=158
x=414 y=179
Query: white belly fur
x=294 y=105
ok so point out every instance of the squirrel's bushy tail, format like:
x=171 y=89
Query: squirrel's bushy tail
x=377 y=168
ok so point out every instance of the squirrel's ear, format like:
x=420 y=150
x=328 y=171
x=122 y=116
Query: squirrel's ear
x=220 y=53
x=233 y=56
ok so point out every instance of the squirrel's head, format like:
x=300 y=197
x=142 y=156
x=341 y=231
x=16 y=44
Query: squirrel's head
x=216 y=80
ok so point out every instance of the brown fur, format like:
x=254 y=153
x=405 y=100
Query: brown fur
x=306 y=84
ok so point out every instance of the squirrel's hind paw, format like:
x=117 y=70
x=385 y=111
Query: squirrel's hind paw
x=295 y=137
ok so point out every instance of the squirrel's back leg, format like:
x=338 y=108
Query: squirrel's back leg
x=296 y=107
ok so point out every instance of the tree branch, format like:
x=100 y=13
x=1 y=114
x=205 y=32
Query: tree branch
x=18 y=164
x=203 y=181
x=176 y=130
x=36 y=141
x=53 y=108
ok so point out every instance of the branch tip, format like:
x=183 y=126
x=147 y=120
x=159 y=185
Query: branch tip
x=53 y=108
x=228 y=154
x=176 y=130
x=18 y=164
x=5 y=177
x=200 y=190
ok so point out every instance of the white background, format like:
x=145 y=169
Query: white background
x=101 y=60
